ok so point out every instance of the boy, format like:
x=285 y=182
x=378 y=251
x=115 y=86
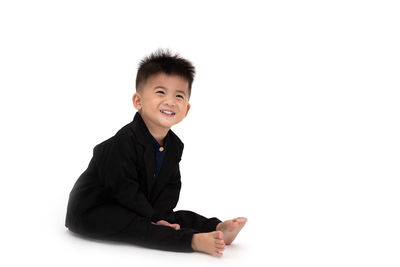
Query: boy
x=132 y=183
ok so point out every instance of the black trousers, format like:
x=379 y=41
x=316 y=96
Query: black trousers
x=140 y=231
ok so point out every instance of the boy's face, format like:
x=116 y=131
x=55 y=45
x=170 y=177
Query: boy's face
x=163 y=101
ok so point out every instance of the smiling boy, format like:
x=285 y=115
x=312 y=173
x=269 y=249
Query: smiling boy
x=132 y=183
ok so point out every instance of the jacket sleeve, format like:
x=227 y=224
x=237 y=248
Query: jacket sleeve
x=168 y=199
x=120 y=177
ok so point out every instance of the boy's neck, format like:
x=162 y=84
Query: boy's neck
x=159 y=138
x=157 y=132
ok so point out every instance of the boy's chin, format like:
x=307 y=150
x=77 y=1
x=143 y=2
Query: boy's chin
x=167 y=123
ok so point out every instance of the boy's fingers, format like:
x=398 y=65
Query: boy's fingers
x=176 y=226
x=172 y=225
x=162 y=222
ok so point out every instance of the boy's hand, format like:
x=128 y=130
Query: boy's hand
x=165 y=223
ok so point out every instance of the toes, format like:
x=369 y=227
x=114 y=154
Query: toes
x=241 y=219
x=219 y=241
x=220 y=247
x=219 y=235
x=219 y=253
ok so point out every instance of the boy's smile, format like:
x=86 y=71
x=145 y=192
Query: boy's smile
x=162 y=101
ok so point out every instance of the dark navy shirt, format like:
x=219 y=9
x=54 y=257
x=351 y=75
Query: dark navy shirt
x=160 y=152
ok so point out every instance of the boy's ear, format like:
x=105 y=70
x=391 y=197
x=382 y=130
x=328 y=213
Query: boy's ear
x=136 y=101
x=187 y=109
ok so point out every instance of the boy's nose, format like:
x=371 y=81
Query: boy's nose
x=170 y=101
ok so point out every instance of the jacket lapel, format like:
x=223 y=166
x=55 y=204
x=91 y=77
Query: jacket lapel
x=171 y=155
x=143 y=136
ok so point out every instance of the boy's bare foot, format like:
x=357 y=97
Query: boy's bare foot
x=211 y=243
x=231 y=228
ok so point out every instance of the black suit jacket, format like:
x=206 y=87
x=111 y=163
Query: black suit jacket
x=118 y=183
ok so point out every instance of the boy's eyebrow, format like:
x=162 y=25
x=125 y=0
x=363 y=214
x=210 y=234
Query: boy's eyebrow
x=165 y=88
x=159 y=86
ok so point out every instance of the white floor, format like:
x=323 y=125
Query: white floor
x=278 y=242
x=126 y=255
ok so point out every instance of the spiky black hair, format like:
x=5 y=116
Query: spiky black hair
x=163 y=61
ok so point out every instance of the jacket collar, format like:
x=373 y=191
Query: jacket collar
x=142 y=133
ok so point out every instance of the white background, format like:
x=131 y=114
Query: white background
x=294 y=124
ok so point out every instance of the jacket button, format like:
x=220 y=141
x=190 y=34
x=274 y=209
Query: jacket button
x=161 y=149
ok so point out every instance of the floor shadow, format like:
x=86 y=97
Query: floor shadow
x=101 y=240
x=106 y=241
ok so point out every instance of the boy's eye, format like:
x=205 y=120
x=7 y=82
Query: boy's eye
x=180 y=96
x=159 y=92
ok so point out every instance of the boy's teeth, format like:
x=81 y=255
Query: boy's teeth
x=167 y=112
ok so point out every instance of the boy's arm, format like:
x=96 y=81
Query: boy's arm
x=168 y=198
x=119 y=172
